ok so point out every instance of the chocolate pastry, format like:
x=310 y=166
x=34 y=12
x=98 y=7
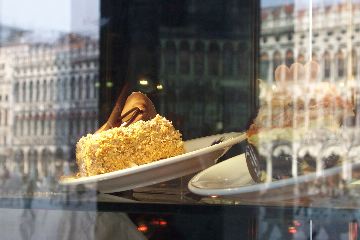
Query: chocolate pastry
x=128 y=110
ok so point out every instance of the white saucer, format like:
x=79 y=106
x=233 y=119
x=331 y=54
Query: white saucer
x=200 y=154
x=231 y=179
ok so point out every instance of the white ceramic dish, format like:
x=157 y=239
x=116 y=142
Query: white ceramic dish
x=199 y=155
x=231 y=179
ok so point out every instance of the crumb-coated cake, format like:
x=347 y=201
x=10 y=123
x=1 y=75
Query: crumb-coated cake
x=123 y=147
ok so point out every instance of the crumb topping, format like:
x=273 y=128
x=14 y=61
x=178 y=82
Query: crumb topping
x=123 y=147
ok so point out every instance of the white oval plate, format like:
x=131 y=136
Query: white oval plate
x=231 y=179
x=199 y=155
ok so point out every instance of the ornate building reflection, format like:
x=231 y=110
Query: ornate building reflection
x=334 y=40
x=48 y=99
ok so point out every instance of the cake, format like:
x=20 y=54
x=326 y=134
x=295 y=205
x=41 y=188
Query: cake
x=124 y=147
x=133 y=135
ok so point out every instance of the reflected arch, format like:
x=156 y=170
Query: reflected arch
x=46 y=159
x=33 y=164
x=19 y=162
x=59 y=162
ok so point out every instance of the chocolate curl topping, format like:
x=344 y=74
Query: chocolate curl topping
x=114 y=120
x=134 y=113
x=142 y=102
x=136 y=107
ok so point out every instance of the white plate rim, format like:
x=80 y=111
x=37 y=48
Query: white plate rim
x=236 y=138
x=259 y=187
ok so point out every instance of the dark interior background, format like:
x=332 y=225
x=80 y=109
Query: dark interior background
x=199 y=59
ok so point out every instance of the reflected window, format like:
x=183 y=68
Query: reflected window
x=58 y=89
x=59 y=160
x=6 y=117
x=228 y=59
x=33 y=164
x=199 y=58
x=22 y=127
x=354 y=67
x=340 y=64
x=51 y=91
x=170 y=57
x=301 y=58
x=87 y=87
x=16 y=92
x=289 y=58
x=37 y=91
x=184 y=58
x=64 y=89
x=264 y=66
x=213 y=61
x=19 y=160
x=327 y=65
x=42 y=126
x=314 y=57
x=46 y=157
x=37 y=126
x=28 y=126
x=276 y=60
x=45 y=91
x=72 y=88
x=80 y=88
x=24 y=92
x=31 y=90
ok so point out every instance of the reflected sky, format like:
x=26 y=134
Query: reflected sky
x=51 y=15
x=83 y=15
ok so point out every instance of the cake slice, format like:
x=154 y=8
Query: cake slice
x=124 y=147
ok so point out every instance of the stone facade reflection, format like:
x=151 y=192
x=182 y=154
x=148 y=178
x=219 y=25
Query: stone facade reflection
x=334 y=40
x=48 y=100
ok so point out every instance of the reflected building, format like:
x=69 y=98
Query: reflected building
x=334 y=40
x=48 y=99
x=206 y=65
